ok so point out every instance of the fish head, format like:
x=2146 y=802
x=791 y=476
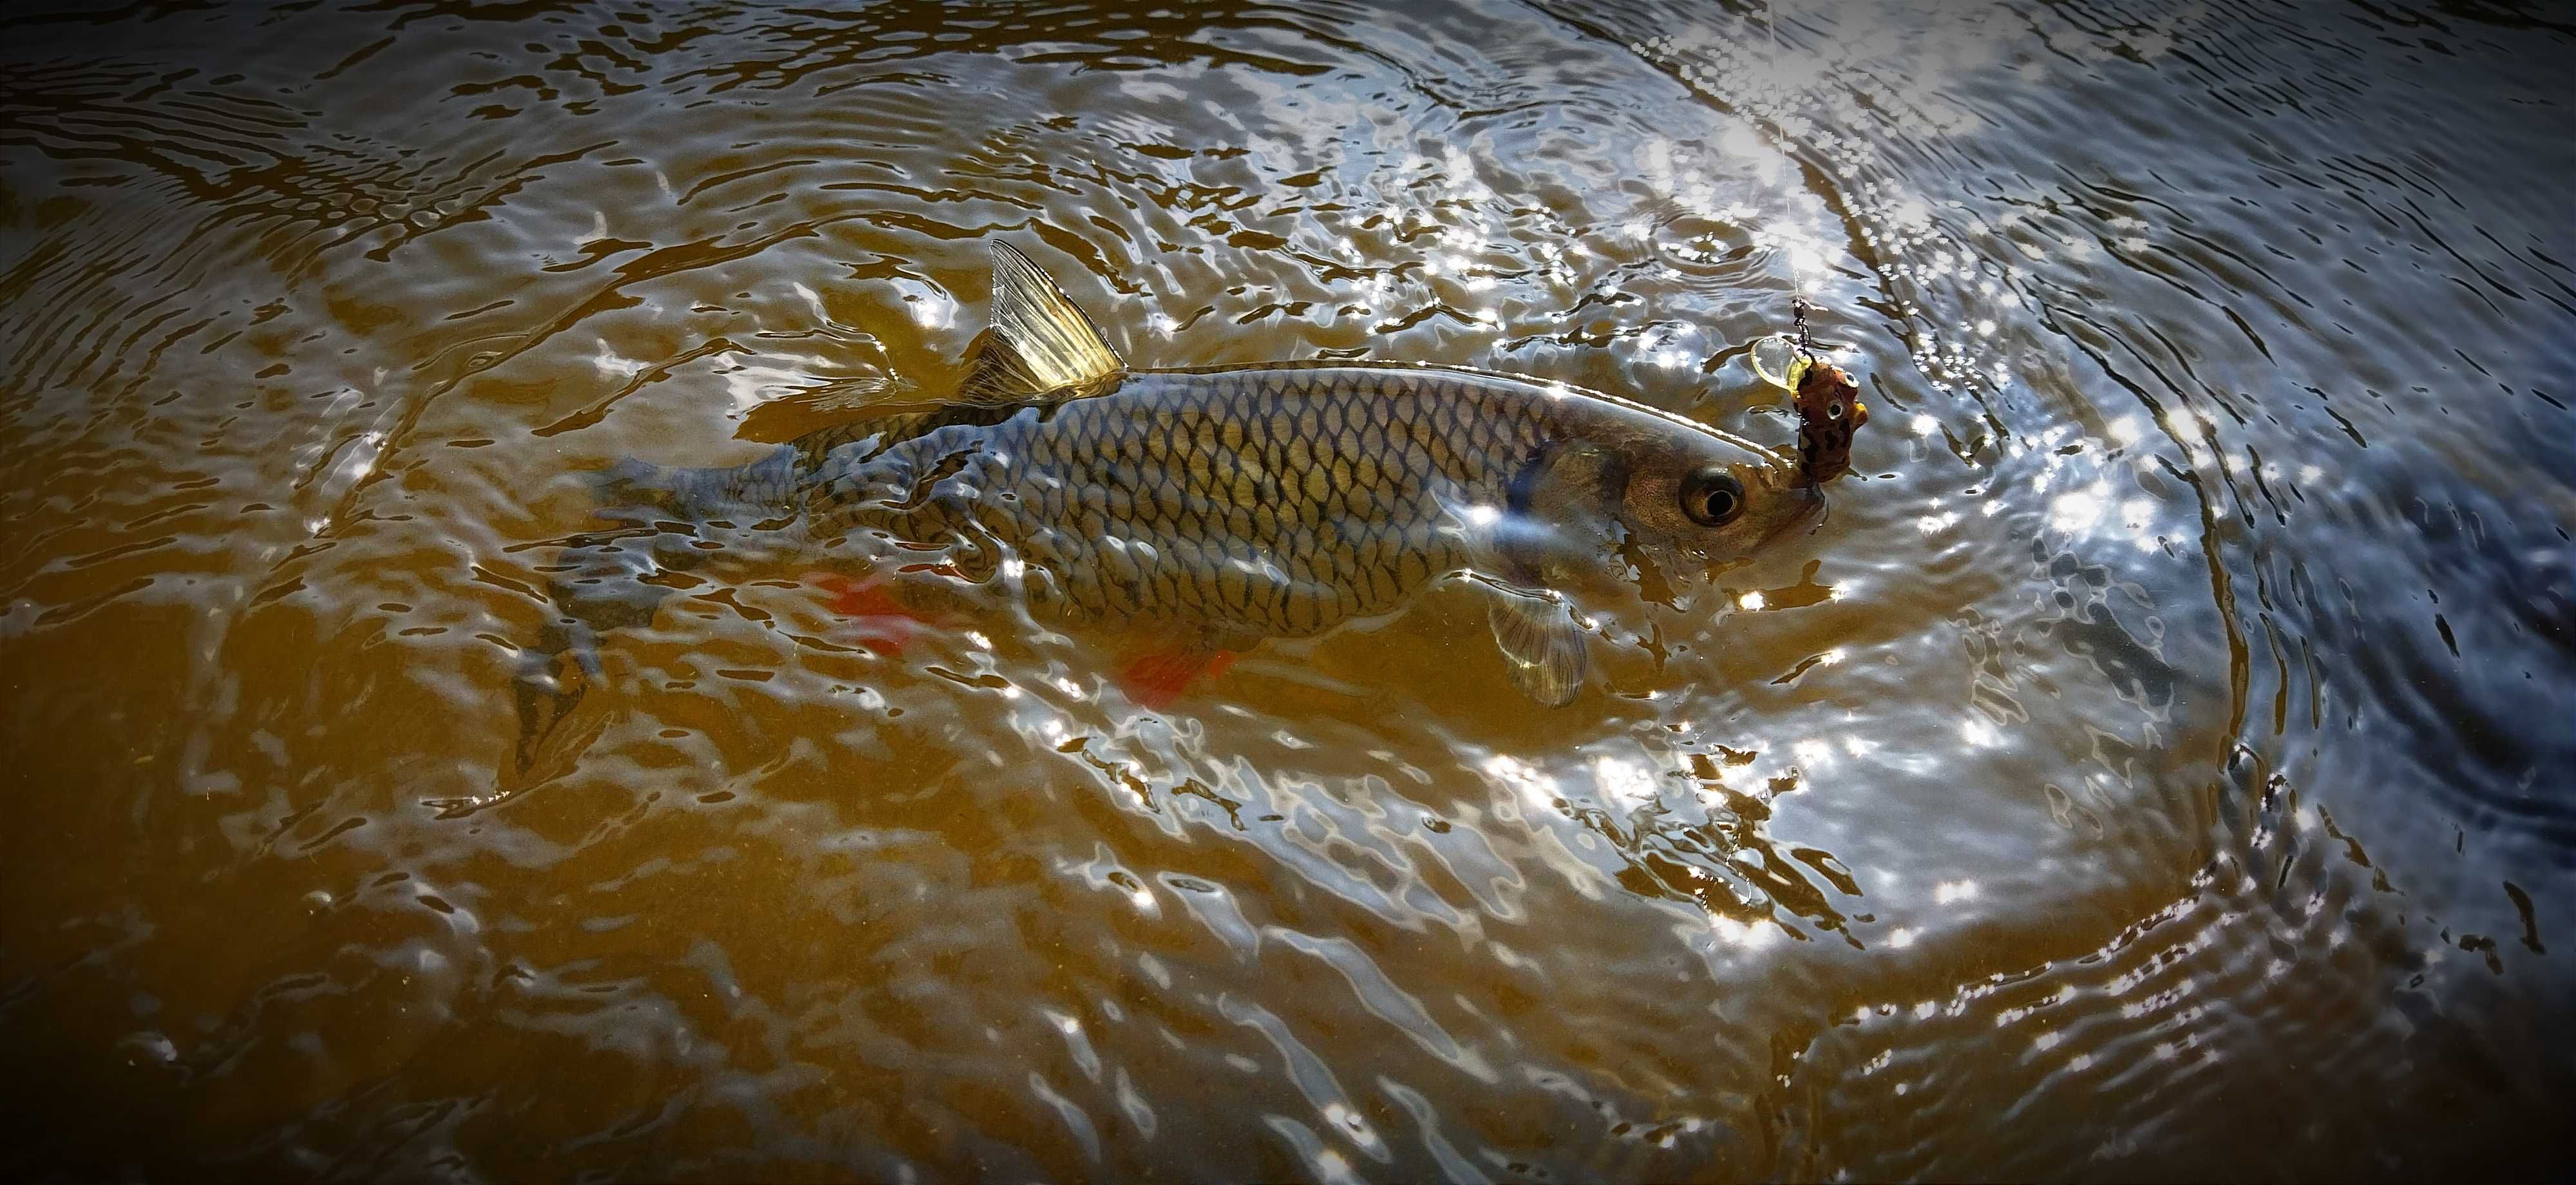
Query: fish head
x=1699 y=500
x=1669 y=501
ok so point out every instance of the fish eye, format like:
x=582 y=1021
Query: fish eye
x=1834 y=410
x=1712 y=497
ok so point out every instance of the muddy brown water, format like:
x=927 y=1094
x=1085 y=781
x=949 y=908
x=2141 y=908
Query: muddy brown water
x=2157 y=766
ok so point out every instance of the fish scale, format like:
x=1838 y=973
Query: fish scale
x=1227 y=504
x=1278 y=500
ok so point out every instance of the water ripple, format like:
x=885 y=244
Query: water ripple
x=2138 y=773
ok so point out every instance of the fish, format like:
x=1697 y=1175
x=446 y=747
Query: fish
x=1222 y=506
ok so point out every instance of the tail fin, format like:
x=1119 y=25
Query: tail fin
x=600 y=587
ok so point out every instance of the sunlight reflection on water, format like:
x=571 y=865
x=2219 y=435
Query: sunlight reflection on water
x=2133 y=774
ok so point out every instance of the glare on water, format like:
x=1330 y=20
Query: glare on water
x=2150 y=767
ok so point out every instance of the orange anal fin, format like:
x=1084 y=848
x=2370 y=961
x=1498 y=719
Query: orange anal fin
x=1156 y=680
x=883 y=624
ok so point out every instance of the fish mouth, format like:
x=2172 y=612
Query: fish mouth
x=1808 y=499
x=1806 y=516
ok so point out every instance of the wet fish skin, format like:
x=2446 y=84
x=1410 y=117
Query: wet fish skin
x=1275 y=500
x=1278 y=501
x=1229 y=504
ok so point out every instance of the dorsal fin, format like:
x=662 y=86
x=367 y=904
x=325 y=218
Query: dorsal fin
x=1040 y=345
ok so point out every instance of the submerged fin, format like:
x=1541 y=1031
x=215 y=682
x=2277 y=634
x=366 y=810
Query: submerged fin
x=1542 y=646
x=883 y=624
x=1040 y=343
x=1157 y=680
x=551 y=680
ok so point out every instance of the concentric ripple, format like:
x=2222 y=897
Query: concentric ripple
x=2150 y=769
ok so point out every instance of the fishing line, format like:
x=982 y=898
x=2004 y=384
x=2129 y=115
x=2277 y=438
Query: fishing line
x=1802 y=345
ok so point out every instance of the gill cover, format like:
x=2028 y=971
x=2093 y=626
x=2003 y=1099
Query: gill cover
x=1552 y=535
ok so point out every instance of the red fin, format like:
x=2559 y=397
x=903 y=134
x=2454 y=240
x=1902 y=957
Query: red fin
x=883 y=624
x=1156 y=680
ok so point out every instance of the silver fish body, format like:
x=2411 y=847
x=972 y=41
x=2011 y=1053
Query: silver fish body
x=1280 y=500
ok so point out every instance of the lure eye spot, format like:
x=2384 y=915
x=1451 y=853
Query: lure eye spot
x=1712 y=497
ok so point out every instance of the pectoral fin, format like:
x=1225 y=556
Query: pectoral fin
x=1542 y=647
x=1157 y=680
x=1040 y=344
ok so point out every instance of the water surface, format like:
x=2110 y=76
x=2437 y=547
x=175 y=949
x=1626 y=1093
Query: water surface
x=2155 y=767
